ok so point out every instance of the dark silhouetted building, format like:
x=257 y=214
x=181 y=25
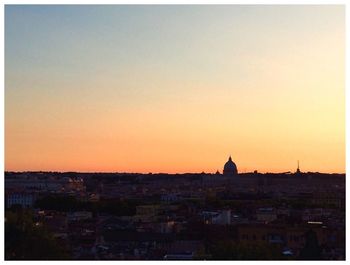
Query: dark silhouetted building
x=230 y=168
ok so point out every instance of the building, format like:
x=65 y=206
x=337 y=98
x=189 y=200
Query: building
x=23 y=199
x=78 y=216
x=266 y=215
x=217 y=217
x=230 y=168
x=168 y=198
x=184 y=250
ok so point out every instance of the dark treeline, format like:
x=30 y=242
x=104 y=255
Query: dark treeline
x=70 y=203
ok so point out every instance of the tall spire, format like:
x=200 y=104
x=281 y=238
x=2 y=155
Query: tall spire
x=230 y=159
x=298 y=169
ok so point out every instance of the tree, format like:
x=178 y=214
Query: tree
x=231 y=250
x=311 y=250
x=58 y=203
x=26 y=241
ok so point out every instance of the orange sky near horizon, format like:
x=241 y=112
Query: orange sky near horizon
x=120 y=89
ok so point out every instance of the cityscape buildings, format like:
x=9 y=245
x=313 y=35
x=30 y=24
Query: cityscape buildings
x=122 y=216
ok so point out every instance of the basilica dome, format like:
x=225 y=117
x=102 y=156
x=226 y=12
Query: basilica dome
x=230 y=167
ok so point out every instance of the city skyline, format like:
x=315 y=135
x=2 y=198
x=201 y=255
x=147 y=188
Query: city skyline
x=219 y=170
x=174 y=89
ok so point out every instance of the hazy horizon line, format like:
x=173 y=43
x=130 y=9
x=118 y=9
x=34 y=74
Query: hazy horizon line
x=168 y=173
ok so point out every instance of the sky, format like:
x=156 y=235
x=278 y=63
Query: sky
x=174 y=88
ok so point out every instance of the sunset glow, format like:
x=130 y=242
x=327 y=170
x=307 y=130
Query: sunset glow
x=174 y=88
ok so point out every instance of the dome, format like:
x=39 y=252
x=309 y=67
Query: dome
x=230 y=167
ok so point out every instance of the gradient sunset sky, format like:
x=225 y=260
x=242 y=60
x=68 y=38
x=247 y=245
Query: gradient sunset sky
x=174 y=88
